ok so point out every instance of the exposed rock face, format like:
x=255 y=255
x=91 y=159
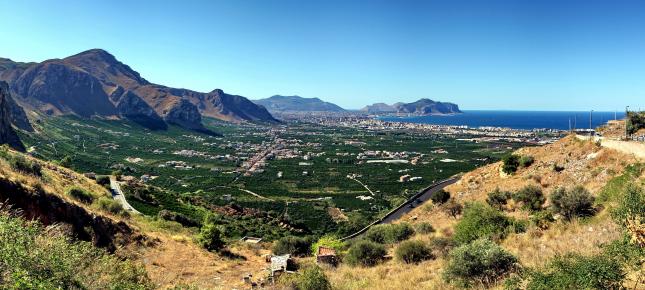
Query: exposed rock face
x=7 y=134
x=297 y=104
x=420 y=107
x=132 y=107
x=94 y=83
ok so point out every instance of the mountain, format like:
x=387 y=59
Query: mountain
x=421 y=107
x=297 y=104
x=95 y=83
x=7 y=134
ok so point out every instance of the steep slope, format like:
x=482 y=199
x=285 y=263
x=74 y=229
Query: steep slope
x=92 y=83
x=297 y=104
x=7 y=134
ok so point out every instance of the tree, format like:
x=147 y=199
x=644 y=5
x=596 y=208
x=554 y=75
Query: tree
x=439 y=196
x=210 y=237
x=292 y=245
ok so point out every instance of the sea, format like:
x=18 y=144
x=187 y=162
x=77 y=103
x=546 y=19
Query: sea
x=526 y=120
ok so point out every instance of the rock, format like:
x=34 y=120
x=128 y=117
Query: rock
x=7 y=133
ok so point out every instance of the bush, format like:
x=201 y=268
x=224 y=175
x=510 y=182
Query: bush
x=424 y=228
x=111 y=206
x=481 y=262
x=80 y=194
x=312 y=278
x=526 y=161
x=631 y=209
x=439 y=197
x=577 y=202
x=483 y=221
x=510 y=163
x=389 y=233
x=34 y=257
x=295 y=246
x=453 y=208
x=531 y=197
x=498 y=199
x=574 y=271
x=210 y=237
x=329 y=242
x=24 y=165
x=442 y=245
x=542 y=219
x=412 y=252
x=365 y=253
x=66 y=161
x=103 y=179
x=557 y=168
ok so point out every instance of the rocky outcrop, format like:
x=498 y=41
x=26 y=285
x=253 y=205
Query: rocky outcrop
x=132 y=107
x=297 y=104
x=221 y=105
x=7 y=134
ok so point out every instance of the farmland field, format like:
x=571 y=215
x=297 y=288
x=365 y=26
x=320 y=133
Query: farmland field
x=307 y=179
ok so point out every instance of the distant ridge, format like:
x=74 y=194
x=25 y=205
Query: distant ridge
x=280 y=103
x=421 y=107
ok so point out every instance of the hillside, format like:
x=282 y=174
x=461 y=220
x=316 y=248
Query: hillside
x=297 y=104
x=7 y=133
x=421 y=107
x=567 y=163
x=95 y=83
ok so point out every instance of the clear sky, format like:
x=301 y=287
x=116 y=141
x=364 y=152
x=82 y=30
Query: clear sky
x=528 y=55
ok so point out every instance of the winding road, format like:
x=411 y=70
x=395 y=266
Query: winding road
x=117 y=194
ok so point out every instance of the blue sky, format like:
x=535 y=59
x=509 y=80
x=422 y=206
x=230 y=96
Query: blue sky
x=528 y=55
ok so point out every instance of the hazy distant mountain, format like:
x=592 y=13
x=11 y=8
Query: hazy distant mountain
x=94 y=82
x=420 y=107
x=297 y=104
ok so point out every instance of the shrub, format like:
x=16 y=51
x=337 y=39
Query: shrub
x=531 y=197
x=66 y=161
x=439 y=197
x=365 y=253
x=22 y=164
x=292 y=245
x=80 y=194
x=453 y=208
x=577 y=202
x=312 y=278
x=510 y=163
x=389 y=233
x=442 y=245
x=557 y=168
x=329 y=242
x=111 y=206
x=412 y=252
x=424 y=228
x=483 y=221
x=34 y=257
x=210 y=237
x=542 y=219
x=526 y=161
x=103 y=179
x=498 y=199
x=574 y=271
x=480 y=262
x=631 y=209
x=177 y=217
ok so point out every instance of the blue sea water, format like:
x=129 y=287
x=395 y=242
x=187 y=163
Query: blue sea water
x=515 y=119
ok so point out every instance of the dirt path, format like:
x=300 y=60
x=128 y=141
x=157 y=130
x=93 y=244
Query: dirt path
x=629 y=147
x=363 y=184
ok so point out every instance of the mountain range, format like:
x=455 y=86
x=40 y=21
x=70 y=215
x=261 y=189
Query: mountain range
x=420 y=107
x=95 y=83
x=279 y=103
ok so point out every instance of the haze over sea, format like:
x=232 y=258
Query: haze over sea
x=515 y=119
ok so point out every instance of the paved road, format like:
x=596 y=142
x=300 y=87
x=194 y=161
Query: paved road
x=117 y=195
x=422 y=196
x=425 y=196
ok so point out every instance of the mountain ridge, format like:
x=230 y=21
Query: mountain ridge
x=280 y=103
x=420 y=107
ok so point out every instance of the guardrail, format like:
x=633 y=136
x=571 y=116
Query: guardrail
x=407 y=202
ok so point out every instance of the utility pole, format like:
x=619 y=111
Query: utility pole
x=590 y=119
x=626 y=120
